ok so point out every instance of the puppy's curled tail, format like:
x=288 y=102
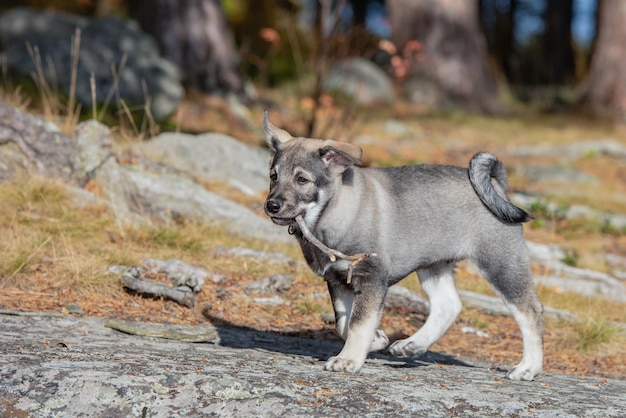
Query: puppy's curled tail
x=488 y=178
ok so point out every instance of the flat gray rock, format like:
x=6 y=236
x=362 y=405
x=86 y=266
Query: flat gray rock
x=572 y=279
x=555 y=174
x=163 y=194
x=212 y=156
x=588 y=148
x=71 y=366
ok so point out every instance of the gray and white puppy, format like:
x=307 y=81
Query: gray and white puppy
x=422 y=219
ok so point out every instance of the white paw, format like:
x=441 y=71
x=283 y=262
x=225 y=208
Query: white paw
x=522 y=372
x=341 y=364
x=380 y=341
x=407 y=348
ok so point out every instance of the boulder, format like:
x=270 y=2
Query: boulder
x=162 y=192
x=137 y=193
x=211 y=156
x=360 y=80
x=40 y=42
x=30 y=145
x=425 y=92
x=166 y=195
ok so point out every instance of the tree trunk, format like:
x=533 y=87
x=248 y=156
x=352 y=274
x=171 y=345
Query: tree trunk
x=505 y=44
x=359 y=12
x=194 y=35
x=453 y=48
x=557 y=47
x=605 y=87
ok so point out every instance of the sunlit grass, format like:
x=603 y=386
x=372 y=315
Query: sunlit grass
x=309 y=306
x=55 y=252
x=173 y=237
x=588 y=336
x=598 y=308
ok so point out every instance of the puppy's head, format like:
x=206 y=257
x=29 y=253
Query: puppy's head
x=304 y=173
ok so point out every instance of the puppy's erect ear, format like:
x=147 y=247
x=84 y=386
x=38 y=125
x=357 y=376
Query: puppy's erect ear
x=340 y=153
x=274 y=136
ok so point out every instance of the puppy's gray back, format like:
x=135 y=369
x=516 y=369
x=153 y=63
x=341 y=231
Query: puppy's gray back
x=412 y=216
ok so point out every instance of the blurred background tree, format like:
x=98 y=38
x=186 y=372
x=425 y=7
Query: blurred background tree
x=605 y=86
x=448 y=33
x=532 y=41
x=538 y=50
x=195 y=36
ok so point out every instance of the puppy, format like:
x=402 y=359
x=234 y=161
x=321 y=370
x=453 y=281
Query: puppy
x=400 y=220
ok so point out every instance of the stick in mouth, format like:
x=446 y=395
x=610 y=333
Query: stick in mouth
x=332 y=254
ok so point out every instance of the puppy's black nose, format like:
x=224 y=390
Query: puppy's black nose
x=273 y=206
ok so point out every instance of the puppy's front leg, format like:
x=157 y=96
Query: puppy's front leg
x=357 y=311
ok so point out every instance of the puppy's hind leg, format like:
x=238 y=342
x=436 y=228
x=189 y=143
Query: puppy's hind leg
x=445 y=305
x=510 y=277
x=529 y=317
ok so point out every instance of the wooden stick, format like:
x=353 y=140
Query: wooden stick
x=182 y=294
x=331 y=253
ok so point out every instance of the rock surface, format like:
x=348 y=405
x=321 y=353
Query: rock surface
x=165 y=195
x=612 y=220
x=426 y=92
x=136 y=191
x=211 y=156
x=141 y=77
x=72 y=366
x=361 y=80
x=609 y=147
x=30 y=145
x=572 y=279
x=556 y=174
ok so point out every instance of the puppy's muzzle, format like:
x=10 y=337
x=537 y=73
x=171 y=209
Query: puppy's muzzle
x=273 y=206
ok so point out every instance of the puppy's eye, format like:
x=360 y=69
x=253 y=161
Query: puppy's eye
x=273 y=176
x=302 y=180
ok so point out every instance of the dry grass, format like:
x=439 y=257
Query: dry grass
x=64 y=110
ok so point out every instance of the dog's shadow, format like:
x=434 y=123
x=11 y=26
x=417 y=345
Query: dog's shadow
x=318 y=344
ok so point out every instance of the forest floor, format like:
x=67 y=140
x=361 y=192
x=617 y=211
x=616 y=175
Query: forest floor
x=56 y=255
